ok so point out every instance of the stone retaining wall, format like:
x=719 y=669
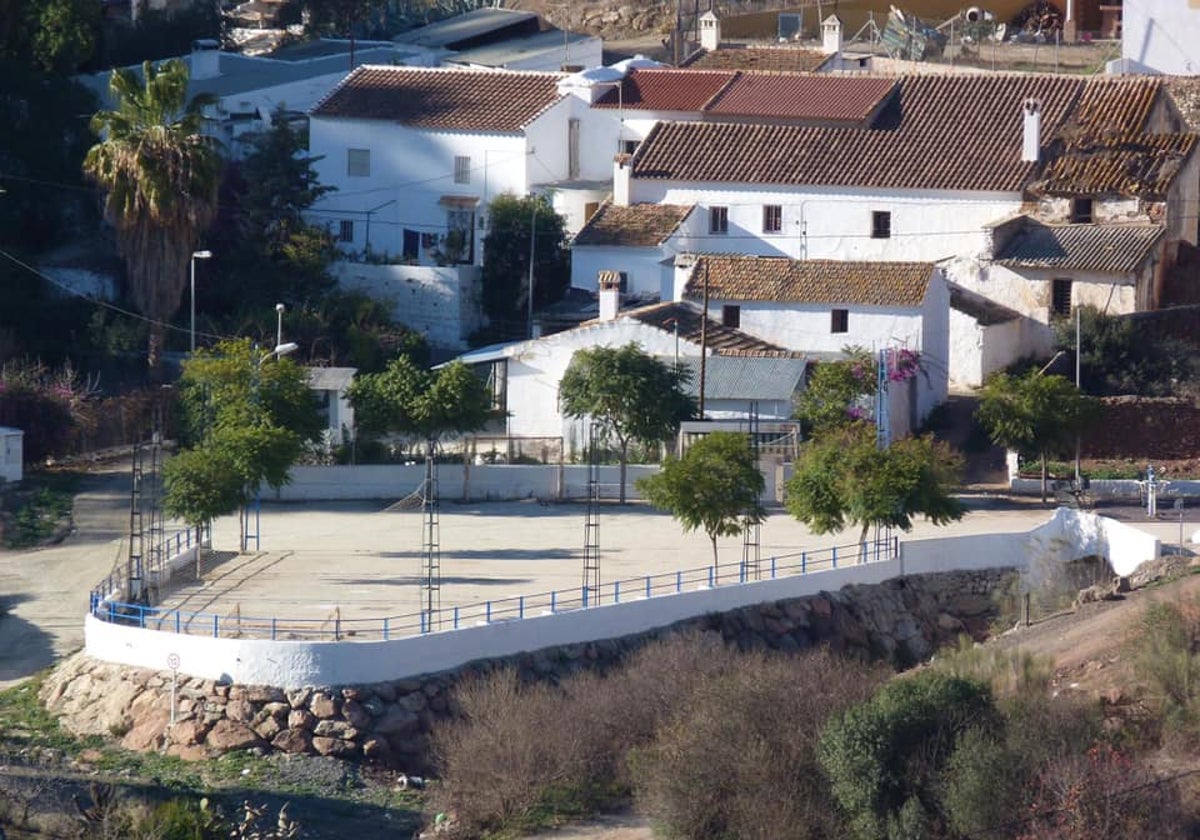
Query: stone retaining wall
x=901 y=620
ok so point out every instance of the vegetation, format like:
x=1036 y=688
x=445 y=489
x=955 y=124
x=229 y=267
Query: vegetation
x=511 y=223
x=246 y=419
x=837 y=393
x=161 y=174
x=843 y=478
x=51 y=406
x=1038 y=415
x=1119 y=355
x=716 y=486
x=631 y=395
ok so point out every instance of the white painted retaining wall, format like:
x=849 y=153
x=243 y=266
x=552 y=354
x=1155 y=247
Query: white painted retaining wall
x=1114 y=488
x=289 y=664
x=473 y=482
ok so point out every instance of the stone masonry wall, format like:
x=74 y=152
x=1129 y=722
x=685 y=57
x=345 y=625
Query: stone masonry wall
x=902 y=620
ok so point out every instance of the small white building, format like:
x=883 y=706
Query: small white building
x=639 y=242
x=11 y=453
x=331 y=384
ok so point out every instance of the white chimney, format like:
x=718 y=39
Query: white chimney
x=1031 y=139
x=831 y=35
x=710 y=31
x=621 y=170
x=685 y=264
x=206 y=59
x=610 y=295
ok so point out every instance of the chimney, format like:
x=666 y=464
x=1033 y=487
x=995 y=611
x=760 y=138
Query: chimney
x=831 y=35
x=610 y=295
x=685 y=264
x=1031 y=139
x=710 y=31
x=206 y=59
x=621 y=169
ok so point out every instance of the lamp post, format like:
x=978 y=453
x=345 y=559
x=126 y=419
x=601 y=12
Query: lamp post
x=279 y=307
x=196 y=255
x=532 y=254
x=279 y=352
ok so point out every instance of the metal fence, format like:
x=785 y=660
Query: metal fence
x=116 y=584
x=235 y=625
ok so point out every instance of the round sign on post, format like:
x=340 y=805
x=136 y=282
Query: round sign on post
x=173 y=661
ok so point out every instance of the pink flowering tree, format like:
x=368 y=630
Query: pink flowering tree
x=50 y=406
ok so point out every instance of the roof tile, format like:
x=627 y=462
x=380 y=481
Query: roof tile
x=456 y=100
x=785 y=280
x=686 y=318
x=667 y=89
x=806 y=98
x=769 y=59
x=1112 y=249
x=638 y=225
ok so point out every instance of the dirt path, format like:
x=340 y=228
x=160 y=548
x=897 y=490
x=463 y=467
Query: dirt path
x=46 y=589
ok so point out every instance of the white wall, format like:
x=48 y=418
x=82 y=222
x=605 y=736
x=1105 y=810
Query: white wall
x=291 y=664
x=445 y=304
x=835 y=222
x=807 y=327
x=11 y=453
x=1029 y=291
x=977 y=351
x=1160 y=35
x=643 y=266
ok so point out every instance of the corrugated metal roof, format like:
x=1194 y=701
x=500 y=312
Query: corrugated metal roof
x=440 y=98
x=330 y=378
x=746 y=377
x=636 y=225
x=746 y=278
x=686 y=318
x=469 y=28
x=1111 y=249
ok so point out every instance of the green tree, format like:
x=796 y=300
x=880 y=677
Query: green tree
x=884 y=757
x=161 y=176
x=1035 y=414
x=506 y=260
x=247 y=418
x=1120 y=355
x=631 y=394
x=716 y=486
x=843 y=478
x=836 y=391
x=410 y=400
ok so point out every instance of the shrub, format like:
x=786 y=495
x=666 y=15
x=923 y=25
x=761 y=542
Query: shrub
x=1164 y=649
x=738 y=757
x=50 y=406
x=1009 y=671
x=881 y=753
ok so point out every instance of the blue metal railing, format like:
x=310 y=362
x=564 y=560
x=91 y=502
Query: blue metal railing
x=171 y=546
x=515 y=608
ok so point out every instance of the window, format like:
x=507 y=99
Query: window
x=590 y=209
x=412 y=245
x=573 y=148
x=346 y=231
x=881 y=224
x=731 y=315
x=1081 y=210
x=629 y=146
x=1060 y=297
x=358 y=163
x=772 y=218
x=462 y=169
x=718 y=220
x=840 y=321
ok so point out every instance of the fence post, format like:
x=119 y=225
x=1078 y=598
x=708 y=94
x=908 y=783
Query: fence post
x=553 y=601
x=678 y=582
x=803 y=563
x=273 y=620
x=456 y=618
x=1026 y=609
x=711 y=576
x=216 y=626
x=647 y=586
x=835 y=557
x=616 y=591
x=862 y=553
x=422 y=623
x=177 y=621
x=521 y=607
x=488 y=614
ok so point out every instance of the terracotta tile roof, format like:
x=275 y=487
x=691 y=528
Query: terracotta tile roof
x=1142 y=165
x=720 y=338
x=1112 y=249
x=460 y=100
x=823 y=99
x=638 y=225
x=647 y=89
x=942 y=132
x=1119 y=105
x=809 y=281
x=770 y=59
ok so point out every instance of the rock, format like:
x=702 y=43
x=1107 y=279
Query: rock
x=240 y=710
x=301 y=719
x=398 y=722
x=275 y=709
x=355 y=714
x=292 y=741
x=193 y=752
x=268 y=728
x=948 y=623
x=375 y=748
x=298 y=698
x=353 y=692
x=187 y=733
x=322 y=705
x=335 y=747
x=265 y=694
x=335 y=729
x=413 y=702
x=148 y=733
x=228 y=735
x=373 y=706
x=970 y=605
x=385 y=692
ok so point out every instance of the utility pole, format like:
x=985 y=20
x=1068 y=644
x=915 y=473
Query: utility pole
x=1078 y=386
x=703 y=338
x=532 y=251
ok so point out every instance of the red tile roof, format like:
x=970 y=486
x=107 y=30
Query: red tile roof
x=807 y=98
x=669 y=89
x=783 y=280
x=1141 y=165
x=460 y=100
x=942 y=132
x=766 y=59
x=635 y=225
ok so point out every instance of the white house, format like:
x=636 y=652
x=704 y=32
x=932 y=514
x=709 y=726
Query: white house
x=639 y=242
x=820 y=307
x=1159 y=36
x=330 y=384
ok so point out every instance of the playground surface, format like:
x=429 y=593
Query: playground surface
x=358 y=561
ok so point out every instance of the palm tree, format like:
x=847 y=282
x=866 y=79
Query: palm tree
x=161 y=175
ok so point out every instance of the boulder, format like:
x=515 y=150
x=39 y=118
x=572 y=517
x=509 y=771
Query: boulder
x=268 y=728
x=322 y=705
x=398 y=722
x=298 y=698
x=335 y=729
x=301 y=719
x=240 y=710
x=355 y=714
x=187 y=733
x=193 y=752
x=375 y=748
x=334 y=747
x=149 y=732
x=293 y=741
x=228 y=735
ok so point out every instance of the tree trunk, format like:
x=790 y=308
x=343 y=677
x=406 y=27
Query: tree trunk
x=716 y=563
x=1045 y=473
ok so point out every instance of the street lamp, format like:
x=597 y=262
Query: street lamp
x=279 y=307
x=196 y=255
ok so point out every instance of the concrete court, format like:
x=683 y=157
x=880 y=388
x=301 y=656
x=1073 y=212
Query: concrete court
x=367 y=562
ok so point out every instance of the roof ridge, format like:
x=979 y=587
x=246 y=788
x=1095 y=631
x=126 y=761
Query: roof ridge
x=716 y=97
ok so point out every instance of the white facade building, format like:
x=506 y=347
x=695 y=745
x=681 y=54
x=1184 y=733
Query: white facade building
x=1159 y=36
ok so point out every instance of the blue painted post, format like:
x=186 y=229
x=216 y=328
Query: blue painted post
x=273 y=620
x=583 y=596
x=835 y=557
x=489 y=612
x=142 y=617
x=803 y=562
x=647 y=586
x=863 y=553
x=553 y=601
x=711 y=577
x=616 y=591
x=422 y=624
x=216 y=626
x=456 y=618
x=521 y=607
x=177 y=621
x=387 y=629
x=678 y=582
x=741 y=573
